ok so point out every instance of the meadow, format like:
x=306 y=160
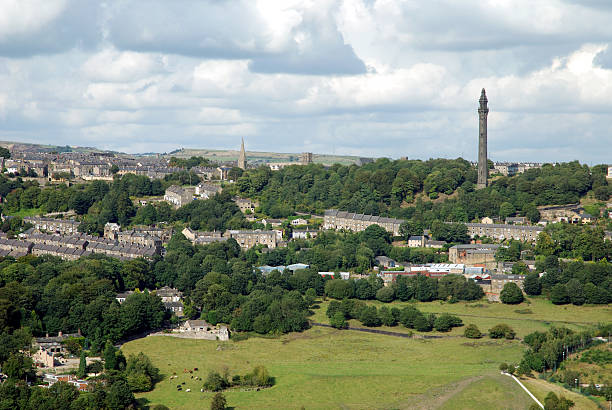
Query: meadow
x=324 y=368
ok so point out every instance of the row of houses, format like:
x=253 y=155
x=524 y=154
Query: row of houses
x=71 y=247
x=334 y=219
x=504 y=231
x=61 y=226
x=99 y=165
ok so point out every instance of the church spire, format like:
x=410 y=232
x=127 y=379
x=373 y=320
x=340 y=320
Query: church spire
x=242 y=161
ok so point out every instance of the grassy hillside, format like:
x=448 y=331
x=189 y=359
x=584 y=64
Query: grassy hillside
x=325 y=368
x=535 y=314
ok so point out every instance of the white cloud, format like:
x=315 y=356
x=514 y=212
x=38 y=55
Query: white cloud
x=292 y=76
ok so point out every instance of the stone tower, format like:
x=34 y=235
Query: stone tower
x=242 y=161
x=483 y=166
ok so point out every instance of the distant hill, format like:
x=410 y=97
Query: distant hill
x=262 y=157
x=254 y=157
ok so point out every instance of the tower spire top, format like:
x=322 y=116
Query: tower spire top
x=242 y=160
x=483 y=97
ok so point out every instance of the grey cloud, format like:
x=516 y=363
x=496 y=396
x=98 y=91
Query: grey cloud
x=604 y=59
x=231 y=30
x=77 y=26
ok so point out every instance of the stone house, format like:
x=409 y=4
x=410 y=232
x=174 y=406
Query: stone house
x=417 y=241
x=203 y=329
x=245 y=204
x=304 y=233
x=207 y=191
x=248 y=239
x=472 y=254
x=179 y=196
x=299 y=221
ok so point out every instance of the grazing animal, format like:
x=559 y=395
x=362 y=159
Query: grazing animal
x=188 y=390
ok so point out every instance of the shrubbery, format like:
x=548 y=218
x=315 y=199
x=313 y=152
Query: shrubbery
x=259 y=377
x=501 y=331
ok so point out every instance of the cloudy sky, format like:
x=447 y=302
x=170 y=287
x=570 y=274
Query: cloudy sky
x=364 y=77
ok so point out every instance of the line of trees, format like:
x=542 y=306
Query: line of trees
x=417 y=287
x=571 y=282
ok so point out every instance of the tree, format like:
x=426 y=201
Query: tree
x=82 y=372
x=218 y=402
x=446 y=322
x=558 y=294
x=339 y=289
x=364 y=290
x=422 y=324
x=532 y=285
x=387 y=317
x=215 y=382
x=385 y=294
x=472 y=332
x=114 y=169
x=519 y=268
x=552 y=402
x=18 y=366
x=369 y=317
x=119 y=395
x=501 y=331
x=110 y=356
x=506 y=209
x=5 y=153
x=338 y=321
x=511 y=294
x=601 y=193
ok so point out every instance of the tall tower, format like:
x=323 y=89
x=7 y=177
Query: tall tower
x=483 y=166
x=242 y=161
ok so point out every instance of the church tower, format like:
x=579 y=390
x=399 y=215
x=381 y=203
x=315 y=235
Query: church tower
x=242 y=161
x=483 y=166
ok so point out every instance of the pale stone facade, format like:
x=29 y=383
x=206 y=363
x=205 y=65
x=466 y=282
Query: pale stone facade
x=334 y=219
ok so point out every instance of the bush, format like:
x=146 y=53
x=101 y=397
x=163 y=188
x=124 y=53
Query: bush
x=387 y=317
x=558 y=294
x=532 y=285
x=472 y=332
x=369 y=317
x=511 y=294
x=338 y=321
x=385 y=294
x=446 y=322
x=215 y=382
x=218 y=402
x=422 y=324
x=259 y=377
x=339 y=289
x=501 y=331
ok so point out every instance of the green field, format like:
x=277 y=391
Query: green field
x=324 y=368
x=485 y=315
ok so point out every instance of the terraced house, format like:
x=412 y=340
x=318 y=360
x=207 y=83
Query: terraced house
x=334 y=219
x=504 y=231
